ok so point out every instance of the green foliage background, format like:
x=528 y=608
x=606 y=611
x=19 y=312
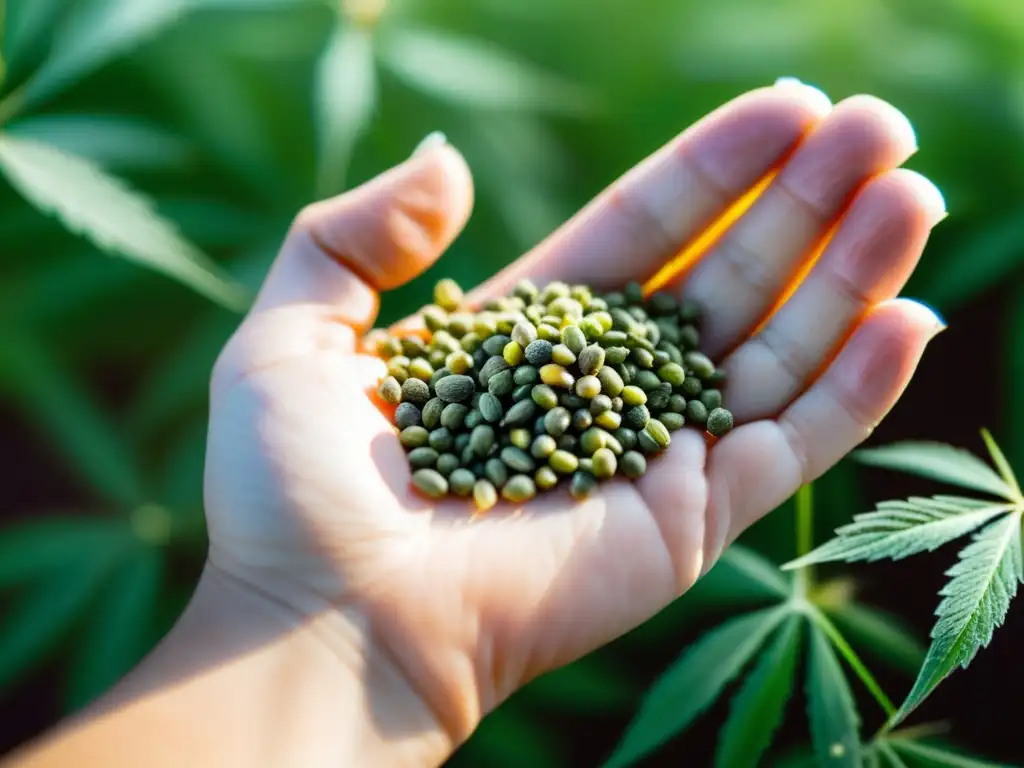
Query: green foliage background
x=213 y=113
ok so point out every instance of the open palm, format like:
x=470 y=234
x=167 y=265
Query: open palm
x=307 y=486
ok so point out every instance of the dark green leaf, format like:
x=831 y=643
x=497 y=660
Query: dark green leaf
x=831 y=709
x=693 y=682
x=120 y=631
x=937 y=461
x=28 y=23
x=509 y=739
x=590 y=685
x=76 y=426
x=118 y=143
x=42 y=547
x=974 y=604
x=346 y=89
x=758 y=708
x=879 y=633
x=115 y=218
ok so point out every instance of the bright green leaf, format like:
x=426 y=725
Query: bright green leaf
x=346 y=96
x=51 y=395
x=107 y=212
x=758 y=708
x=928 y=756
x=974 y=604
x=881 y=634
x=97 y=32
x=937 y=461
x=898 y=529
x=475 y=74
x=43 y=616
x=117 y=143
x=831 y=709
x=693 y=682
x=40 y=547
x=999 y=459
x=120 y=630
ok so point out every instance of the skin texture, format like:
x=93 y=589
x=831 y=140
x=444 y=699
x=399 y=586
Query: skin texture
x=405 y=620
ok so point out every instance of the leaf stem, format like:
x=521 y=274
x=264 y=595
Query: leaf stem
x=891 y=755
x=853 y=660
x=1003 y=466
x=804 y=535
x=922 y=731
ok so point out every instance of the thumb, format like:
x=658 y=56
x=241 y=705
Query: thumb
x=340 y=252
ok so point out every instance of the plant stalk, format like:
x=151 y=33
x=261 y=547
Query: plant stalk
x=804 y=535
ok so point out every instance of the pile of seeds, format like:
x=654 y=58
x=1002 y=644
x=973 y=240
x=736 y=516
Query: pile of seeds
x=548 y=384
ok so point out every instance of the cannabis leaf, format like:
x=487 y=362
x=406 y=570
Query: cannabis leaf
x=830 y=707
x=937 y=461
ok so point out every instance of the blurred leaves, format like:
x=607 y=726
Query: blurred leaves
x=882 y=635
x=937 y=461
x=32 y=550
x=835 y=723
x=105 y=210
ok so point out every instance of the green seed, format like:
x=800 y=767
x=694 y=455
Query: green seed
x=431 y=413
x=615 y=355
x=588 y=387
x=441 y=440
x=614 y=299
x=526 y=374
x=525 y=290
x=407 y=415
x=538 y=352
x=661 y=359
x=513 y=353
x=563 y=462
x=661 y=303
x=413 y=346
x=633 y=464
x=473 y=419
x=600 y=404
x=611 y=382
x=543 y=446
x=490 y=407
x=496 y=471
x=544 y=396
x=643 y=357
x=658 y=399
x=519 y=414
x=699 y=363
x=562 y=355
x=633 y=395
x=438 y=374
x=646 y=443
x=549 y=333
x=447 y=463
x=672 y=421
x=459 y=362
x=390 y=391
x=592 y=440
x=582 y=485
x=421 y=369
x=430 y=483
x=719 y=422
x=502 y=383
x=658 y=432
x=461 y=441
x=557 y=421
x=481 y=439
x=495 y=344
x=453 y=416
x=591 y=359
x=574 y=339
x=712 y=398
x=676 y=403
x=604 y=462
x=517 y=459
x=591 y=328
x=696 y=412
x=461 y=482
x=581 y=419
x=556 y=376
x=520 y=438
x=416 y=391
x=689 y=337
x=545 y=478
x=484 y=495
x=716 y=379
x=608 y=420
x=471 y=342
x=616 y=340
x=455 y=388
x=617 y=404
x=521 y=393
x=690 y=311
x=648 y=381
x=519 y=489
x=672 y=373
x=423 y=457
x=568 y=442
x=447 y=294
x=636 y=418
x=626 y=437
x=692 y=386
x=572 y=401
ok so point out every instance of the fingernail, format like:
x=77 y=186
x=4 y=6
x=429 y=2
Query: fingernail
x=902 y=127
x=928 y=196
x=938 y=322
x=431 y=140
x=819 y=100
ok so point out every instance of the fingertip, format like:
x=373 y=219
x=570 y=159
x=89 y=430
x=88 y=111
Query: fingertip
x=813 y=98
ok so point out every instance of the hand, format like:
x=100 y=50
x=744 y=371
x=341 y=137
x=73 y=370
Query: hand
x=307 y=487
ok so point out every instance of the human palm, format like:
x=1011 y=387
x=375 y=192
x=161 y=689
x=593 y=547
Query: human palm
x=307 y=487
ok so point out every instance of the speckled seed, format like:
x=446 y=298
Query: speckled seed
x=441 y=440
x=390 y=391
x=416 y=391
x=615 y=355
x=590 y=360
x=481 y=439
x=712 y=398
x=672 y=421
x=490 y=407
x=617 y=404
x=491 y=366
x=699 y=363
x=455 y=388
x=557 y=421
x=696 y=412
x=692 y=386
x=581 y=419
x=423 y=458
x=719 y=422
x=525 y=374
x=519 y=488
x=633 y=395
x=608 y=420
x=502 y=383
x=545 y=478
x=538 y=352
x=519 y=414
x=454 y=416
x=636 y=418
x=496 y=471
x=582 y=485
x=600 y=404
x=611 y=382
x=430 y=483
x=432 y=411
x=484 y=495
x=544 y=396
x=517 y=459
x=543 y=446
x=513 y=353
x=556 y=376
x=447 y=463
x=676 y=403
x=563 y=462
x=461 y=482
x=658 y=431
x=562 y=355
x=657 y=400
